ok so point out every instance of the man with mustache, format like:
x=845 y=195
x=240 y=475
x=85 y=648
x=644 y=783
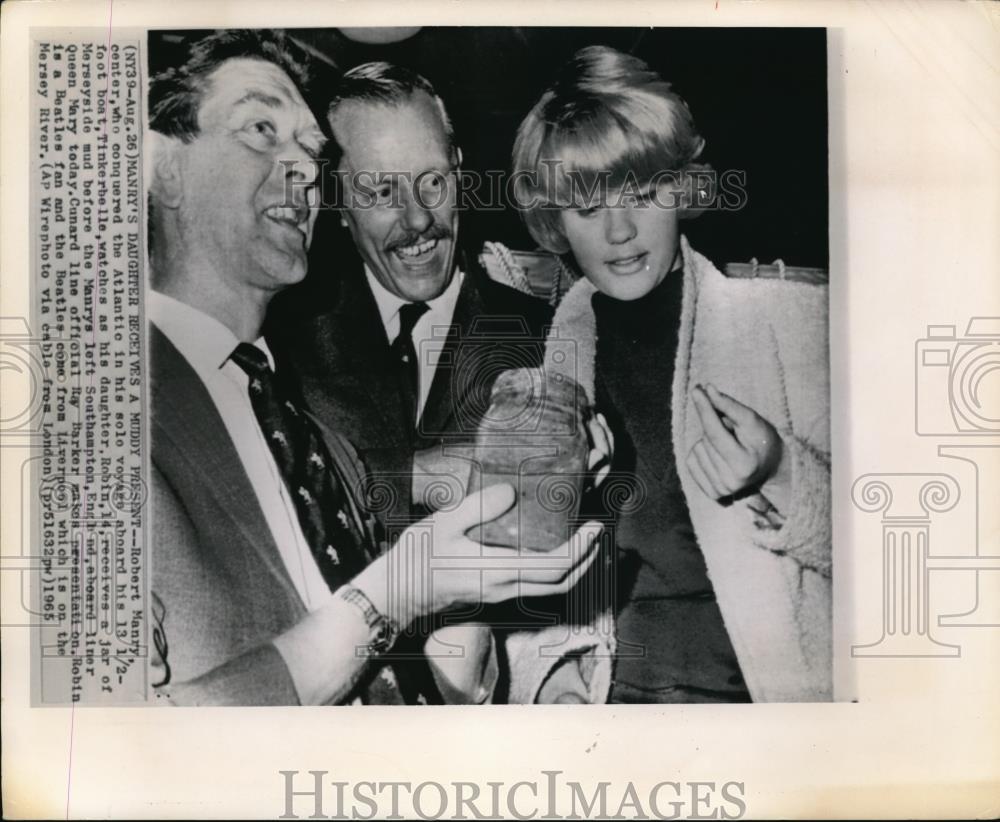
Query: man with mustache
x=404 y=358
x=271 y=583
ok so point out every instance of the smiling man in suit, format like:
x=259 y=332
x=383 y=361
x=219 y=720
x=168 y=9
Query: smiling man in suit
x=268 y=576
x=402 y=355
x=403 y=358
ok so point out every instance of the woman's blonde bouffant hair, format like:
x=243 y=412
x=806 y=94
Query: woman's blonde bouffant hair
x=607 y=120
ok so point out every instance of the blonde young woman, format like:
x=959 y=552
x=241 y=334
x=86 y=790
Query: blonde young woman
x=715 y=389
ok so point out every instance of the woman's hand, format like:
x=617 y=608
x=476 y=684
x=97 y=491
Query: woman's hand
x=435 y=567
x=739 y=451
x=602 y=448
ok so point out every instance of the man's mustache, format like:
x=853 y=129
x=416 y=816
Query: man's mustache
x=435 y=232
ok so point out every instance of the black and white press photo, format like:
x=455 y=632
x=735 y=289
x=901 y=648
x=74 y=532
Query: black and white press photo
x=489 y=365
x=550 y=410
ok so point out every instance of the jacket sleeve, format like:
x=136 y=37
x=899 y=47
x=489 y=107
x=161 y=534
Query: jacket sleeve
x=804 y=532
x=802 y=369
x=534 y=655
x=547 y=635
x=258 y=676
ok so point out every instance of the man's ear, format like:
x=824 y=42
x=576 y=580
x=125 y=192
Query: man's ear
x=458 y=157
x=165 y=171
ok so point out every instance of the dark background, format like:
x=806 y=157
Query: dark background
x=759 y=98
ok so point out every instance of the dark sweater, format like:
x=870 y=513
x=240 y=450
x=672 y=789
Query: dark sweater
x=672 y=644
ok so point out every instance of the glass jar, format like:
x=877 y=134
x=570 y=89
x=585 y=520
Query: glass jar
x=533 y=437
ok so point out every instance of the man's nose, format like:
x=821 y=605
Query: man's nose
x=416 y=216
x=299 y=166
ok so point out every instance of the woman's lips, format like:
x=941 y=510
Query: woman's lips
x=629 y=265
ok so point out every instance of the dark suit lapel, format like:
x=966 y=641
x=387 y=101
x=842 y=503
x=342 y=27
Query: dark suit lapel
x=186 y=420
x=360 y=353
x=449 y=391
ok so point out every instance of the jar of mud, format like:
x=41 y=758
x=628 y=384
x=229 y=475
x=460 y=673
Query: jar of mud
x=533 y=437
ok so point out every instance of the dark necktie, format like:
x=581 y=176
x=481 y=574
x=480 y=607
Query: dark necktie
x=309 y=474
x=307 y=469
x=405 y=354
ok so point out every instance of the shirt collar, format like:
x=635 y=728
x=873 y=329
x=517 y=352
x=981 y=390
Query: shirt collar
x=203 y=341
x=441 y=307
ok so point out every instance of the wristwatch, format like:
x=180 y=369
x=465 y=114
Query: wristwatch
x=384 y=629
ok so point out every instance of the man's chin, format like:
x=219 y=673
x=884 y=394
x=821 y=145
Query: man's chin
x=419 y=282
x=285 y=269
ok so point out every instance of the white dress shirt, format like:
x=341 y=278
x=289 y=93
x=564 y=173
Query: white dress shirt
x=207 y=345
x=430 y=331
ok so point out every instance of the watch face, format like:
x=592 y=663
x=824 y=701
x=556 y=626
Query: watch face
x=382 y=640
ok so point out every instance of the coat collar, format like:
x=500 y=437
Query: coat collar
x=574 y=318
x=448 y=391
x=355 y=350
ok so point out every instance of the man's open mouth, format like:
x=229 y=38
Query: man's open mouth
x=417 y=251
x=296 y=217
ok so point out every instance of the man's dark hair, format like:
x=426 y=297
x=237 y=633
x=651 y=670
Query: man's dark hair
x=388 y=84
x=379 y=82
x=175 y=94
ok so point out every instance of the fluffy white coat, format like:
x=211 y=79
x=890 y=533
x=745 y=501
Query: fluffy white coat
x=765 y=343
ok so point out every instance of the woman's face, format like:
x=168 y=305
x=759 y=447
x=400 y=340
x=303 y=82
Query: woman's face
x=626 y=245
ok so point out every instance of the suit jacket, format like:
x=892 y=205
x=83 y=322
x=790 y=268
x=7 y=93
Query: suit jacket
x=341 y=356
x=331 y=335
x=221 y=589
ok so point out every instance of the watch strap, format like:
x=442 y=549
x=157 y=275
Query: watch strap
x=384 y=629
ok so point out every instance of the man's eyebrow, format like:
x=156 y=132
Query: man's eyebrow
x=268 y=100
x=317 y=137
